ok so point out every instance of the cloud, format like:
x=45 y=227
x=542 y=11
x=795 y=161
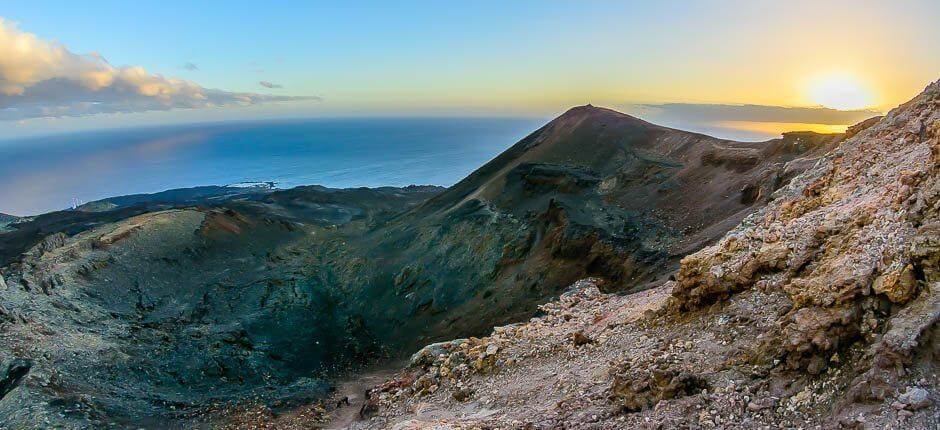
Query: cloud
x=267 y=84
x=44 y=79
x=711 y=113
x=190 y=66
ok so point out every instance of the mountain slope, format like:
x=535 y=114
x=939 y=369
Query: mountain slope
x=819 y=310
x=592 y=193
x=158 y=308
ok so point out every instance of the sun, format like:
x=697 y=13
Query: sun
x=839 y=91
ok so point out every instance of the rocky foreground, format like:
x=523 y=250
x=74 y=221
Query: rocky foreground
x=819 y=310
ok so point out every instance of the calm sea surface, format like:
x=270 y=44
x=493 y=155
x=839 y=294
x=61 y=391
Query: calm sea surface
x=49 y=173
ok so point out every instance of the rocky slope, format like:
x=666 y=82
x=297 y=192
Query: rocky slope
x=592 y=193
x=212 y=305
x=819 y=310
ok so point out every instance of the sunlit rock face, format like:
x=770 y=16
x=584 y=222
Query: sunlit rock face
x=852 y=242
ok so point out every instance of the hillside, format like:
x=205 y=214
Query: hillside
x=180 y=306
x=592 y=193
x=819 y=310
x=6 y=220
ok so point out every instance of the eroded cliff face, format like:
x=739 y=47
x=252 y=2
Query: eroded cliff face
x=852 y=242
x=820 y=309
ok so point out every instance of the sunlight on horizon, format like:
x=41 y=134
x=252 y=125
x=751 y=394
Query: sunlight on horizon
x=778 y=128
x=841 y=91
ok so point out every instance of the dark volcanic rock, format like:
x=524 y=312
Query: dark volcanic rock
x=15 y=371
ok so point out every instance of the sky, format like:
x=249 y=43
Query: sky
x=745 y=65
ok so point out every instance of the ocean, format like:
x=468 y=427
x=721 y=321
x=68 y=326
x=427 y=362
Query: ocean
x=49 y=173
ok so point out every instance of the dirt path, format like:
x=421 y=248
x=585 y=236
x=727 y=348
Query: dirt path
x=353 y=391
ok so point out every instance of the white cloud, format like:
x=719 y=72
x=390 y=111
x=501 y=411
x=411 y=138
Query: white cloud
x=44 y=79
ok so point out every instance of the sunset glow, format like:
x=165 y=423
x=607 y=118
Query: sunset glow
x=840 y=91
x=529 y=59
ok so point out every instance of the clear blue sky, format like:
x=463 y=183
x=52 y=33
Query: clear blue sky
x=502 y=57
